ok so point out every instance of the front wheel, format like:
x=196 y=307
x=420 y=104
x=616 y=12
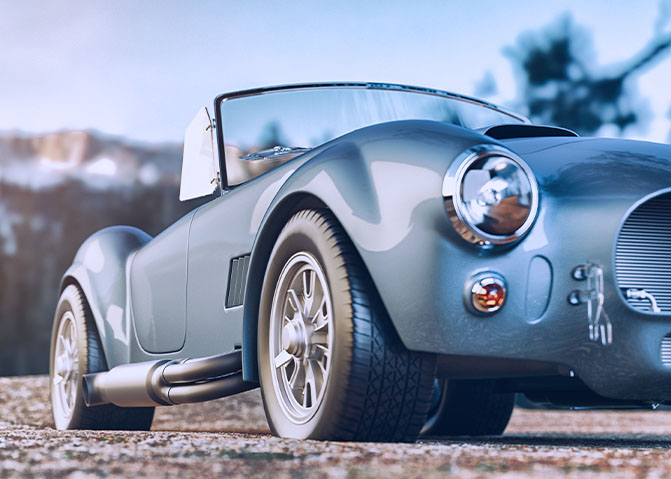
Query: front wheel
x=468 y=408
x=331 y=365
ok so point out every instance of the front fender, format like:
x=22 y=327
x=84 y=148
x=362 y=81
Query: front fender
x=99 y=269
x=381 y=183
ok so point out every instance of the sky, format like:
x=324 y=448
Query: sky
x=142 y=69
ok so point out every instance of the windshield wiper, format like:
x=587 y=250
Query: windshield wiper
x=275 y=152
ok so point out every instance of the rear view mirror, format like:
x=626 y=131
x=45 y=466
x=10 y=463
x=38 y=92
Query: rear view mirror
x=199 y=172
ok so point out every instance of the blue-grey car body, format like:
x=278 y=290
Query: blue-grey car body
x=166 y=297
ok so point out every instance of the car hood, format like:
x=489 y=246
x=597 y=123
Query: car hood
x=596 y=166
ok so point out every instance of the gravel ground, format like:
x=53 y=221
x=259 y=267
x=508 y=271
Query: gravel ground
x=229 y=438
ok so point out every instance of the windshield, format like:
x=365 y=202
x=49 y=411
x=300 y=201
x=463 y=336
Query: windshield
x=268 y=128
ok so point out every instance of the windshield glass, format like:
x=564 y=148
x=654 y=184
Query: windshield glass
x=260 y=131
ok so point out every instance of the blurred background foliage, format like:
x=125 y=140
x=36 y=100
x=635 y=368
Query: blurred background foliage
x=57 y=189
x=561 y=85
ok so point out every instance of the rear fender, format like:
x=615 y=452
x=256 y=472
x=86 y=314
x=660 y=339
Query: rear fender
x=100 y=270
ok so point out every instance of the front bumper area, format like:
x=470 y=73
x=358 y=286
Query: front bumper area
x=538 y=323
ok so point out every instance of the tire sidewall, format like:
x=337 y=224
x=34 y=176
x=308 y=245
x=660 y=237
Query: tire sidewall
x=70 y=301
x=304 y=234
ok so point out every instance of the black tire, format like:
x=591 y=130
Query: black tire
x=377 y=390
x=468 y=408
x=91 y=359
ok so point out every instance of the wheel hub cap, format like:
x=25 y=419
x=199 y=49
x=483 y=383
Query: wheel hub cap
x=294 y=338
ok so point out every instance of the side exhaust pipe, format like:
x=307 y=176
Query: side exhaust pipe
x=165 y=382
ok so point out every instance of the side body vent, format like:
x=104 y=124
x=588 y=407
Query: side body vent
x=665 y=350
x=237 y=281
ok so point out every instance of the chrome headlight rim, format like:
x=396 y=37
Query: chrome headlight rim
x=455 y=207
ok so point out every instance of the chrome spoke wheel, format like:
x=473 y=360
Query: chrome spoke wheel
x=301 y=337
x=66 y=367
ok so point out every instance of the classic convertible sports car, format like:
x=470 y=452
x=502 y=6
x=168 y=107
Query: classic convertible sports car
x=384 y=261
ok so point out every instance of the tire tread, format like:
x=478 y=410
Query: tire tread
x=390 y=387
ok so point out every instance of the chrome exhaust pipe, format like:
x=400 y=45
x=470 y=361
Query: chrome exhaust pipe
x=165 y=382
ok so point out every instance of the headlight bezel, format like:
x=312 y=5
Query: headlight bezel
x=452 y=189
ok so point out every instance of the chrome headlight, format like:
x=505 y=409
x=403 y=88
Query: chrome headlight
x=491 y=195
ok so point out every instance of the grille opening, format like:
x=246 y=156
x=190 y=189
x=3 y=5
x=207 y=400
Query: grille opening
x=665 y=350
x=643 y=254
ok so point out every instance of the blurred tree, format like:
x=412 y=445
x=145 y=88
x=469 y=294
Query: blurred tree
x=560 y=85
x=272 y=136
x=486 y=87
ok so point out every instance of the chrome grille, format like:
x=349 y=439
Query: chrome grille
x=665 y=350
x=643 y=253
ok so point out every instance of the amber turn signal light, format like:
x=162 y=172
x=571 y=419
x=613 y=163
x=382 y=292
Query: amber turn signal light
x=488 y=293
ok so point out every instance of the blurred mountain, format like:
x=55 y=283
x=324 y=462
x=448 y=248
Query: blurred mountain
x=102 y=162
x=55 y=191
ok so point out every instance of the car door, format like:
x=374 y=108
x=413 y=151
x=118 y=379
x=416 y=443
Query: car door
x=158 y=274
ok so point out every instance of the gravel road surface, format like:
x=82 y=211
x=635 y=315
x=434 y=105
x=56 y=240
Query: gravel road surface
x=230 y=438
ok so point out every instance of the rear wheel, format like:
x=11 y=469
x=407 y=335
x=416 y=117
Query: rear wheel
x=331 y=366
x=468 y=408
x=75 y=351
